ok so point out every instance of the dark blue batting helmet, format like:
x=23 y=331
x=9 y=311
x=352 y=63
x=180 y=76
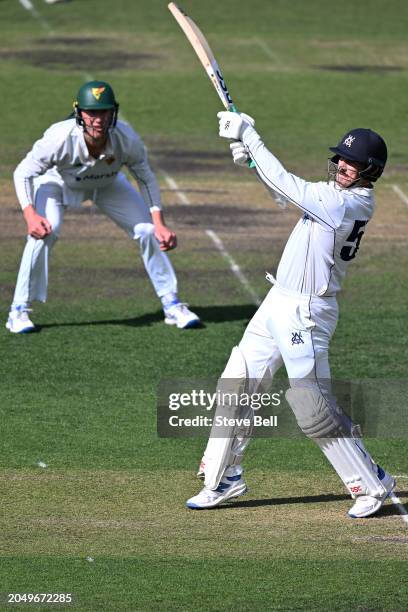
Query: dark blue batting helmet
x=366 y=147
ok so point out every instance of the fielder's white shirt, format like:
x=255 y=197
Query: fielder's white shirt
x=61 y=154
x=327 y=237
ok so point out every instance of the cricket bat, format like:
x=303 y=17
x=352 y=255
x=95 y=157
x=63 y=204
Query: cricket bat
x=206 y=57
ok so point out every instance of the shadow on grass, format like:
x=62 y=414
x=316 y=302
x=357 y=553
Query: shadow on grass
x=207 y=314
x=387 y=510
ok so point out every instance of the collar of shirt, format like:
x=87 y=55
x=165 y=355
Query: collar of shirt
x=363 y=191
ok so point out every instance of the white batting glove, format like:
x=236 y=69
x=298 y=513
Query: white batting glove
x=239 y=153
x=233 y=125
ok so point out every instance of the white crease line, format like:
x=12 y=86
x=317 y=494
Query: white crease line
x=401 y=194
x=402 y=510
x=27 y=4
x=173 y=185
x=234 y=267
x=267 y=50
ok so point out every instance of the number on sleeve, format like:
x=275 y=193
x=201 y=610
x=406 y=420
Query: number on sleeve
x=349 y=251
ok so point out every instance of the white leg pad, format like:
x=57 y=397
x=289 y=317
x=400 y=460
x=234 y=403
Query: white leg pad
x=354 y=465
x=226 y=444
x=316 y=415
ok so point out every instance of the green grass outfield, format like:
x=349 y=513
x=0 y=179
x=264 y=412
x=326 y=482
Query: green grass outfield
x=80 y=395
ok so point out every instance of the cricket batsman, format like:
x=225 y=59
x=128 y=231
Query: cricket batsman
x=80 y=159
x=296 y=321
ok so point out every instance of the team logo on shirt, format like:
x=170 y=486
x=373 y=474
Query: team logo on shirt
x=349 y=141
x=297 y=338
x=97 y=92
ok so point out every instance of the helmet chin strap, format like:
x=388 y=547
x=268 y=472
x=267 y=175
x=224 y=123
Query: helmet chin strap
x=80 y=121
x=90 y=127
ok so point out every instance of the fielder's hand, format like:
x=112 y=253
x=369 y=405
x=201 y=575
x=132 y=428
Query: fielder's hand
x=239 y=153
x=167 y=239
x=37 y=226
x=233 y=125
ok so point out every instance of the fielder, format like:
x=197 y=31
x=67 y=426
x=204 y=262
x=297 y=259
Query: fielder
x=297 y=319
x=79 y=159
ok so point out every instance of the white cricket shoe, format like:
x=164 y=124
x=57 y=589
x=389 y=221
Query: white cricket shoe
x=19 y=322
x=229 y=487
x=367 y=505
x=179 y=314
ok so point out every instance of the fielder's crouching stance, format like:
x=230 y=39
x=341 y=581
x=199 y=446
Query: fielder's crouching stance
x=297 y=319
x=79 y=159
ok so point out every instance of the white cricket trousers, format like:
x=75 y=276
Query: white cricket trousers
x=294 y=330
x=120 y=202
x=290 y=329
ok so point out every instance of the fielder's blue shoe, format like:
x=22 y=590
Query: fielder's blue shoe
x=179 y=314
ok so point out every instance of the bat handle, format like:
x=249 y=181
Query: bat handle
x=250 y=162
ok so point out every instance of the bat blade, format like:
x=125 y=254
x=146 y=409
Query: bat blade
x=204 y=54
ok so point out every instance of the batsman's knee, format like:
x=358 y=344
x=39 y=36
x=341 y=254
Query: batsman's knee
x=317 y=416
x=236 y=365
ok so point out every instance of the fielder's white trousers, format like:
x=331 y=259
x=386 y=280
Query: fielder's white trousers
x=120 y=202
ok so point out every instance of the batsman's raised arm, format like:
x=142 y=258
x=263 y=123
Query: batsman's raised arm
x=319 y=200
x=271 y=172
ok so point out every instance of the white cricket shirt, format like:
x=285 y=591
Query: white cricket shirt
x=328 y=235
x=62 y=154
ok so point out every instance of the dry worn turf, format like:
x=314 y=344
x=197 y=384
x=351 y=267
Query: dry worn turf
x=111 y=491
